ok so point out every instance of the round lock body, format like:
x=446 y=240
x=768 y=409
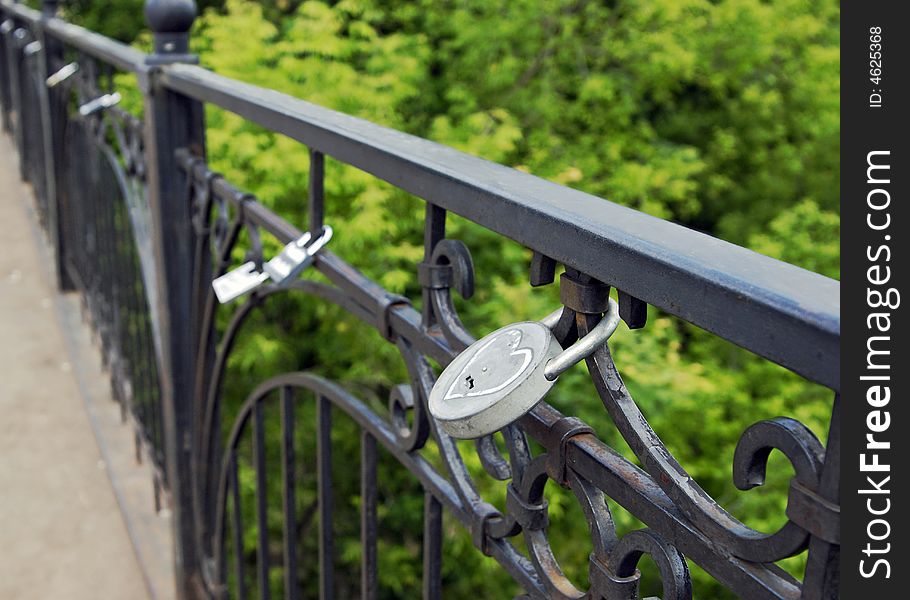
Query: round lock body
x=496 y=380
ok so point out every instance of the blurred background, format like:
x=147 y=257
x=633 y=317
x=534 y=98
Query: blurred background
x=721 y=115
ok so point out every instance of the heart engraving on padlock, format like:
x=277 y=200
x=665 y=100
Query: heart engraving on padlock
x=502 y=376
x=478 y=379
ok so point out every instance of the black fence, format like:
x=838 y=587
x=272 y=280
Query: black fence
x=141 y=227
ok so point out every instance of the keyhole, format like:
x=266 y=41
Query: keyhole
x=469 y=382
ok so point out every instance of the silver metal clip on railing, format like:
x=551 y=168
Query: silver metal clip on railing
x=62 y=75
x=20 y=37
x=296 y=257
x=293 y=259
x=32 y=48
x=502 y=376
x=98 y=104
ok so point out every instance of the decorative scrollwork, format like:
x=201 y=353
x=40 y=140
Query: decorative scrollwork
x=623 y=562
x=450 y=266
x=697 y=505
x=664 y=487
x=492 y=461
x=411 y=399
x=111 y=253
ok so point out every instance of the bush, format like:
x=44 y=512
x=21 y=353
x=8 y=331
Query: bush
x=721 y=115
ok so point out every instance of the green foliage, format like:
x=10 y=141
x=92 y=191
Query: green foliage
x=804 y=235
x=654 y=107
x=721 y=115
x=121 y=19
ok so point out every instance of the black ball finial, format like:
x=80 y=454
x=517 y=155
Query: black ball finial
x=170 y=16
x=170 y=22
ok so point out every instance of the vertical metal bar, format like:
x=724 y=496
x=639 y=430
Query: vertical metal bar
x=203 y=304
x=17 y=67
x=432 y=547
x=149 y=383
x=434 y=232
x=120 y=317
x=5 y=83
x=52 y=59
x=823 y=565
x=196 y=195
x=290 y=500
x=262 y=525
x=237 y=529
x=104 y=258
x=369 y=589
x=137 y=358
x=434 y=229
x=324 y=476
x=316 y=206
x=174 y=121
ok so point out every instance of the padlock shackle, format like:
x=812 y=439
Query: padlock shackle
x=585 y=346
x=303 y=240
x=552 y=319
x=321 y=241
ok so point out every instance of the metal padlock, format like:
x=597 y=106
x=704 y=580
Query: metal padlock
x=32 y=48
x=238 y=282
x=503 y=375
x=62 y=75
x=293 y=259
x=101 y=103
x=296 y=256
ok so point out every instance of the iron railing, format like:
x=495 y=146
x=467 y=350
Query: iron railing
x=141 y=226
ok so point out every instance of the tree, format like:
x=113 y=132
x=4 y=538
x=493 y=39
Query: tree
x=721 y=115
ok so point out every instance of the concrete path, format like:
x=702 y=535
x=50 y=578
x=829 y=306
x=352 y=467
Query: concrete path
x=61 y=530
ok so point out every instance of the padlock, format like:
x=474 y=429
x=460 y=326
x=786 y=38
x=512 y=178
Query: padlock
x=32 y=48
x=293 y=259
x=62 y=75
x=502 y=376
x=100 y=103
x=238 y=282
x=296 y=256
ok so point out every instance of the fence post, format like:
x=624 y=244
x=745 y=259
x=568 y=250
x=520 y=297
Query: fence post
x=51 y=60
x=5 y=82
x=174 y=121
x=13 y=59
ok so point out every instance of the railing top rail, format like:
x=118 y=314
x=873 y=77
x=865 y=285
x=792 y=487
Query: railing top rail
x=103 y=48
x=116 y=53
x=27 y=14
x=779 y=311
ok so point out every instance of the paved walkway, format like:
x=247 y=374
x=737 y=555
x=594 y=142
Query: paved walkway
x=61 y=530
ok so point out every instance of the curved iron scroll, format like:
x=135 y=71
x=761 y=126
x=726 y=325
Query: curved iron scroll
x=683 y=521
x=108 y=255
